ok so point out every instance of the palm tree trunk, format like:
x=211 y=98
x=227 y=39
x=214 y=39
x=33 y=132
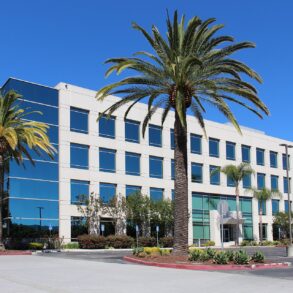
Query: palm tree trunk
x=1 y=200
x=260 y=223
x=181 y=189
x=237 y=216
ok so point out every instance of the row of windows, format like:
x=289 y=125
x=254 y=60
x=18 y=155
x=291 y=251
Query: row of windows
x=79 y=123
x=275 y=206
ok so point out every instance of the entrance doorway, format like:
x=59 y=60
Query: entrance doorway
x=228 y=231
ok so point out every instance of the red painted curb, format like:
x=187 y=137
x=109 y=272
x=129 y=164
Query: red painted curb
x=14 y=252
x=207 y=267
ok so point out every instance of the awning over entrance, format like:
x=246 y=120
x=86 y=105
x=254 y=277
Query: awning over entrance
x=232 y=221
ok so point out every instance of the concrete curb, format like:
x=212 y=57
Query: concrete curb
x=203 y=267
x=14 y=252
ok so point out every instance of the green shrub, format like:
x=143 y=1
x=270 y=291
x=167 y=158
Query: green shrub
x=245 y=243
x=166 y=241
x=230 y=255
x=35 y=246
x=258 y=257
x=241 y=257
x=267 y=243
x=147 y=241
x=195 y=254
x=119 y=241
x=221 y=258
x=211 y=252
x=209 y=243
x=205 y=256
x=71 y=245
x=92 y=241
x=276 y=243
x=253 y=243
x=165 y=251
x=137 y=250
x=152 y=250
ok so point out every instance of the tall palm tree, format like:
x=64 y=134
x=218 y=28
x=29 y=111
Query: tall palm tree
x=237 y=174
x=187 y=70
x=17 y=135
x=263 y=195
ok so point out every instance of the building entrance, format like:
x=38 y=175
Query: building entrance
x=228 y=231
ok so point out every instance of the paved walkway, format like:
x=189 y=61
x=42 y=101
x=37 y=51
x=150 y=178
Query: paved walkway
x=34 y=274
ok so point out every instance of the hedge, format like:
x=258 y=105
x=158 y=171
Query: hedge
x=101 y=242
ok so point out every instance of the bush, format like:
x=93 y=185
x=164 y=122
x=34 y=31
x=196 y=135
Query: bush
x=258 y=257
x=152 y=250
x=71 y=245
x=167 y=241
x=209 y=243
x=119 y=241
x=92 y=241
x=267 y=243
x=276 y=243
x=205 y=256
x=147 y=241
x=241 y=257
x=230 y=255
x=164 y=251
x=195 y=254
x=137 y=250
x=221 y=258
x=211 y=253
x=245 y=243
x=35 y=246
x=253 y=243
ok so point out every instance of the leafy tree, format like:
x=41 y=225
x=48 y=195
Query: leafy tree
x=18 y=135
x=190 y=69
x=262 y=195
x=236 y=174
x=281 y=219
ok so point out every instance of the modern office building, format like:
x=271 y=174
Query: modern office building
x=111 y=157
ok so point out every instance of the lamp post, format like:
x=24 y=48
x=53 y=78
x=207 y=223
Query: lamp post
x=290 y=247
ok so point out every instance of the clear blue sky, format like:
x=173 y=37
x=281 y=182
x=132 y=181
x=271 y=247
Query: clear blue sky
x=49 y=41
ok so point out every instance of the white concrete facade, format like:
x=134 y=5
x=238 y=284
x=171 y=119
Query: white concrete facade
x=70 y=95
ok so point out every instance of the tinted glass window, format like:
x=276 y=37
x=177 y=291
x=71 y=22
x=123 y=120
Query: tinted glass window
x=214 y=175
x=196 y=172
x=107 y=160
x=274 y=182
x=285 y=183
x=245 y=151
x=155 y=135
x=246 y=181
x=195 y=143
x=132 y=131
x=214 y=147
x=172 y=139
x=156 y=167
x=132 y=189
x=107 y=127
x=79 y=191
x=172 y=169
x=230 y=150
x=262 y=204
x=79 y=120
x=107 y=191
x=132 y=163
x=284 y=159
x=52 y=132
x=172 y=194
x=261 y=181
x=230 y=182
x=275 y=206
x=79 y=156
x=274 y=159
x=260 y=157
x=156 y=193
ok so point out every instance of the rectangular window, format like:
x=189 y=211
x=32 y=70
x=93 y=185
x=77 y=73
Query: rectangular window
x=107 y=191
x=156 y=194
x=285 y=184
x=264 y=231
x=79 y=191
x=214 y=175
x=260 y=157
x=156 y=167
x=262 y=204
x=275 y=206
x=196 y=172
x=245 y=151
x=214 y=147
x=230 y=150
x=107 y=160
x=172 y=194
x=132 y=164
x=107 y=127
x=79 y=156
x=79 y=120
x=261 y=182
x=287 y=206
x=230 y=182
x=273 y=159
x=274 y=182
x=155 y=135
x=284 y=159
x=172 y=139
x=246 y=181
x=132 y=131
x=132 y=190
x=172 y=169
x=195 y=144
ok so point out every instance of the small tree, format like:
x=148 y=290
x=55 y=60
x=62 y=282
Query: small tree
x=90 y=208
x=281 y=219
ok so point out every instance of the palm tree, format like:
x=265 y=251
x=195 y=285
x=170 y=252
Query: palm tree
x=262 y=195
x=237 y=174
x=187 y=70
x=17 y=135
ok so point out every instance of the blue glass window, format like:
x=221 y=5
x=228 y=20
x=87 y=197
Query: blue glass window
x=274 y=182
x=261 y=181
x=287 y=206
x=172 y=169
x=214 y=147
x=107 y=160
x=230 y=182
x=245 y=151
x=155 y=135
x=214 y=175
x=79 y=120
x=275 y=206
x=132 y=164
x=230 y=150
x=132 y=189
x=260 y=157
x=107 y=191
x=274 y=159
x=79 y=156
x=195 y=143
x=172 y=194
x=285 y=184
x=246 y=181
x=156 y=167
x=196 y=172
x=107 y=127
x=79 y=191
x=156 y=194
x=132 y=131
x=262 y=204
x=172 y=139
x=284 y=159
